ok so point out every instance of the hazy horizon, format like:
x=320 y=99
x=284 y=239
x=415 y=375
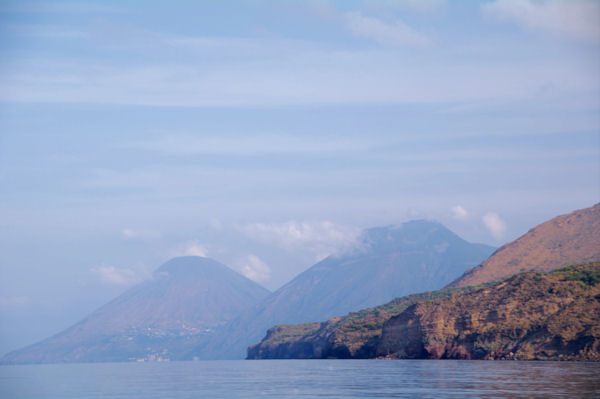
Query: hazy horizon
x=267 y=134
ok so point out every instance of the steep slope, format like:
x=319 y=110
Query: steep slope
x=185 y=301
x=565 y=240
x=553 y=316
x=392 y=261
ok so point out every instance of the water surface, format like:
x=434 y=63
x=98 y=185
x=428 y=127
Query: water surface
x=303 y=379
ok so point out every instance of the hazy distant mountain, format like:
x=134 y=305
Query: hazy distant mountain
x=564 y=240
x=185 y=301
x=391 y=262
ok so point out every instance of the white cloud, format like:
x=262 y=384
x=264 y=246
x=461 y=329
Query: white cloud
x=117 y=276
x=494 y=224
x=254 y=268
x=579 y=19
x=396 y=34
x=321 y=238
x=191 y=248
x=459 y=212
x=130 y=234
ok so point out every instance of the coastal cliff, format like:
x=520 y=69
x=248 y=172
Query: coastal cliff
x=553 y=316
x=353 y=336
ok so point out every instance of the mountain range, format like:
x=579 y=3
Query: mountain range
x=388 y=262
x=197 y=308
x=531 y=316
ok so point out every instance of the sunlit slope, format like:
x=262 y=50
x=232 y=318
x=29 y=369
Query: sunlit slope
x=564 y=240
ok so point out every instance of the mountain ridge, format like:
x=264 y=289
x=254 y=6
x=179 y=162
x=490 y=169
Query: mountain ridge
x=361 y=334
x=571 y=238
x=392 y=261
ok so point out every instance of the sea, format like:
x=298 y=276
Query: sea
x=303 y=379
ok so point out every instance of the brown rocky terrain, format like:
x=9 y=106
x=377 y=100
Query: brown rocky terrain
x=529 y=316
x=552 y=316
x=564 y=240
x=354 y=336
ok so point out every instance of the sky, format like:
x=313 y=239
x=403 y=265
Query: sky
x=267 y=134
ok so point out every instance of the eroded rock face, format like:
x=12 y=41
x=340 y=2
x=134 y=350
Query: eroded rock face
x=354 y=336
x=530 y=316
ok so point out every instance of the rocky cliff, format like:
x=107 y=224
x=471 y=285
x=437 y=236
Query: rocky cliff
x=529 y=316
x=564 y=240
x=353 y=336
x=553 y=316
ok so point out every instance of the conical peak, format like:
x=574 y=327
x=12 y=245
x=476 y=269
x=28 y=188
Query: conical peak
x=189 y=264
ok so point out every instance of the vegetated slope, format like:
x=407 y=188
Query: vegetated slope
x=565 y=240
x=554 y=316
x=187 y=299
x=391 y=261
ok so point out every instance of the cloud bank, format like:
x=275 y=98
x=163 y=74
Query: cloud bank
x=254 y=268
x=191 y=248
x=131 y=234
x=118 y=276
x=396 y=34
x=322 y=238
x=459 y=212
x=578 y=19
x=495 y=225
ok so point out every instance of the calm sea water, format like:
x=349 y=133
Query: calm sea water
x=303 y=379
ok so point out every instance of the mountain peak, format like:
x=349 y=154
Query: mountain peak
x=189 y=298
x=420 y=233
x=189 y=264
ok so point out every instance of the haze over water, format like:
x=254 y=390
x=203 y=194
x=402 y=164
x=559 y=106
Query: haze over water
x=303 y=379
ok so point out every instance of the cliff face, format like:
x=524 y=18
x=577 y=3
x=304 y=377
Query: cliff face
x=564 y=240
x=553 y=316
x=529 y=316
x=354 y=336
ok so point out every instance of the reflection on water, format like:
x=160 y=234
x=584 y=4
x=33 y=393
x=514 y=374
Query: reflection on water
x=303 y=379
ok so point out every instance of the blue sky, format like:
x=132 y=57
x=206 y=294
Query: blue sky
x=266 y=134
